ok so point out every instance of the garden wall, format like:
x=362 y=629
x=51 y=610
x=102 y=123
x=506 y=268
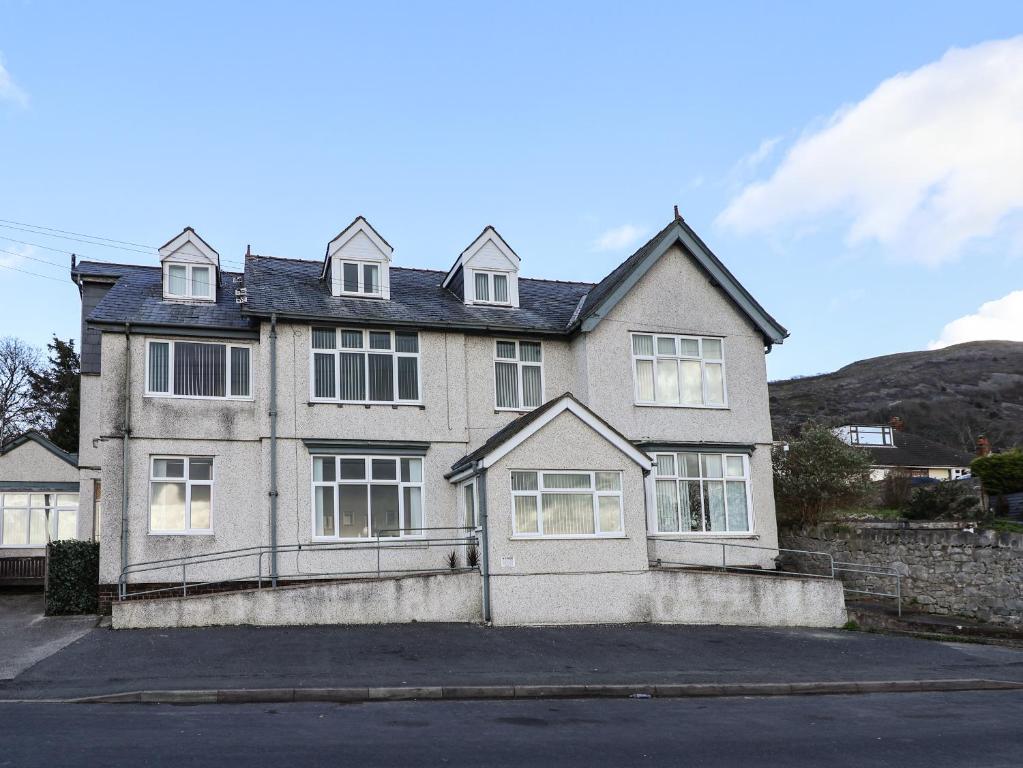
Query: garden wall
x=947 y=572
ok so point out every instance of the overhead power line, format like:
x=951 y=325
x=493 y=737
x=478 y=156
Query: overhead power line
x=34 y=274
x=79 y=234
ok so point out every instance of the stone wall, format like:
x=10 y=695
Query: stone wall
x=947 y=572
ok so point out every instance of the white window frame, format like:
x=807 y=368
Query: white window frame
x=591 y=491
x=367 y=481
x=679 y=358
x=365 y=350
x=519 y=364
x=678 y=478
x=361 y=282
x=490 y=275
x=188 y=530
x=474 y=513
x=51 y=513
x=188 y=295
x=170 y=370
x=886 y=433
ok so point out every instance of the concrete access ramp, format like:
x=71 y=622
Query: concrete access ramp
x=454 y=597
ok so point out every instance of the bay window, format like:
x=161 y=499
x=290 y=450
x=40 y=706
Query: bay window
x=566 y=503
x=33 y=519
x=678 y=370
x=357 y=366
x=518 y=375
x=197 y=369
x=181 y=495
x=703 y=492
x=362 y=497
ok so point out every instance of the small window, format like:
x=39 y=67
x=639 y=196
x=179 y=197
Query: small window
x=360 y=278
x=197 y=369
x=678 y=370
x=189 y=281
x=567 y=504
x=518 y=375
x=491 y=287
x=181 y=495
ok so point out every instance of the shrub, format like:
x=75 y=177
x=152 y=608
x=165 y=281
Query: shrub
x=818 y=474
x=1000 y=472
x=948 y=500
x=896 y=489
x=72 y=577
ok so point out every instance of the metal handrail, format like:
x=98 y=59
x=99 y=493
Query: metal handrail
x=384 y=539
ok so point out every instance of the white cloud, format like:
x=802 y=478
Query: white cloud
x=929 y=161
x=9 y=90
x=755 y=159
x=618 y=238
x=1001 y=319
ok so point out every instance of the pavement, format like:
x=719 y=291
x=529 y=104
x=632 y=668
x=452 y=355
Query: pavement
x=104 y=661
x=26 y=636
x=905 y=730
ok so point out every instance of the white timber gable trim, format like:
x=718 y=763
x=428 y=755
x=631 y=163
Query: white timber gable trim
x=586 y=416
x=490 y=271
x=359 y=261
x=191 y=268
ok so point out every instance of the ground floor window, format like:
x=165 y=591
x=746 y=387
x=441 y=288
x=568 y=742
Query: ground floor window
x=566 y=503
x=470 y=506
x=33 y=519
x=362 y=497
x=181 y=495
x=703 y=492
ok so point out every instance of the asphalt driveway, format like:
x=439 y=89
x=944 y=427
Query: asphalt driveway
x=27 y=637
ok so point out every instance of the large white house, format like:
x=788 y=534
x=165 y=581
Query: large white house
x=580 y=432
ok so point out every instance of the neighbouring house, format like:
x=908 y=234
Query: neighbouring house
x=893 y=449
x=38 y=504
x=312 y=409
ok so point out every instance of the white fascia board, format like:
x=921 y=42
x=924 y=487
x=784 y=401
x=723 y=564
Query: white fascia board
x=584 y=415
x=357 y=226
x=189 y=237
x=489 y=234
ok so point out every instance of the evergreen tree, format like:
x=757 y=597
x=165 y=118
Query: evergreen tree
x=56 y=393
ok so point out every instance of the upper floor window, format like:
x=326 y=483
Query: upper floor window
x=569 y=504
x=491 y=287
x=357 y=366
x=870 y=435
x=518 y=374
x=181 y=494
x=362 y=497
x=360 y=278
x=678 y=370
x=703 y=492
x=197 y=369
x=188 y=281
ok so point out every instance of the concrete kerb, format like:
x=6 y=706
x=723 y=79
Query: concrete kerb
x=470 y=692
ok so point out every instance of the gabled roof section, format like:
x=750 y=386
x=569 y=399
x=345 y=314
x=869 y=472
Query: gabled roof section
x=488 y=235
x=41 y=439
x=521 y=429
x=915 y=451
x=609 y=291
x=359 y=224
x=189 y=244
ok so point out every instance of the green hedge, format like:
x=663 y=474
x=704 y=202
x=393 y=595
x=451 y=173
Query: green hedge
x=72 y=577
x=1000 y=472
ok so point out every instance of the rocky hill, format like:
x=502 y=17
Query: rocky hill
x=951 y=395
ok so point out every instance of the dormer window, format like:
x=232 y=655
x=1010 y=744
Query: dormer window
x=360 y=278
x=188 y=281
x=487 y=272
x=491 y=287
x=358 y=262
x=190 y=268
x=870 y=435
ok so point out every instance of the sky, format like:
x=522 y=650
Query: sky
x=858 y=166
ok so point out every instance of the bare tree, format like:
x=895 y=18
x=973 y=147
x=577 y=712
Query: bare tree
x=17 y=409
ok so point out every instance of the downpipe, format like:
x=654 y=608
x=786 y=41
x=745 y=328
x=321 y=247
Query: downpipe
x=481 y=494
x=273 y=450
x=125 y=436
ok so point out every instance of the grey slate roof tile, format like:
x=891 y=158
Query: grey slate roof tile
x=293 y=287
x=915 y=451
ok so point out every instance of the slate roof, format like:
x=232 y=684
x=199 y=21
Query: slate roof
x=915 y=451
x=293 y=288
x=137 y=297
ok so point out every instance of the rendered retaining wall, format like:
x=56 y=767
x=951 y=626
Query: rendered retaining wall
x=978 y=575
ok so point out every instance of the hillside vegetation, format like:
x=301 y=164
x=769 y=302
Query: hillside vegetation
x=951 y=395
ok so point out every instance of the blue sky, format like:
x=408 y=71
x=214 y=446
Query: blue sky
x=861 y=180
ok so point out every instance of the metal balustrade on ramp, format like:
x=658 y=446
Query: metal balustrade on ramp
x=253 y=560
x=829 y=567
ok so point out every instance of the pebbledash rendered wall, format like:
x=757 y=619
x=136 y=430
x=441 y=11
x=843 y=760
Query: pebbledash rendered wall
x=977 y=575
